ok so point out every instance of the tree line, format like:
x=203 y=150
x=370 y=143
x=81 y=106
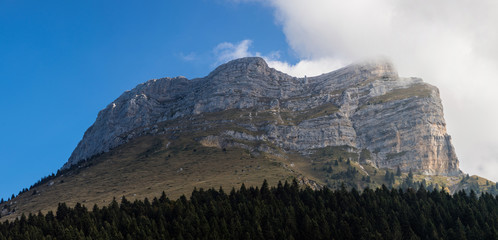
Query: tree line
x=286 y=211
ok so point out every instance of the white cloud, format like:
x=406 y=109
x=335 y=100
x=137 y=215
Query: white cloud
x=451 y=44
x=188 y=57
x=306 y=67
x=227 y=51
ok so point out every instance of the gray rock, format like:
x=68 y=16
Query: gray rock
x=366 y=106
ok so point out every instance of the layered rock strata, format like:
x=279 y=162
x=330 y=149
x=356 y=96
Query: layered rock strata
x=395 y=122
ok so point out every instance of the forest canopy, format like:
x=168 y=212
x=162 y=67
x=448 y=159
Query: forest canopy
x=286 y=211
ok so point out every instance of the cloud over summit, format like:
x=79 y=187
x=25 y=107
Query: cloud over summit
x=450 y=44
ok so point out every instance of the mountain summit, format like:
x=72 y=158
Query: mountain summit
x=365 y=108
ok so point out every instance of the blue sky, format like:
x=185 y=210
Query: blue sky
x=63 y=61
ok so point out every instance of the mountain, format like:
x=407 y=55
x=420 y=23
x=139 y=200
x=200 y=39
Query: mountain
x=246 y=122
x=367 y=107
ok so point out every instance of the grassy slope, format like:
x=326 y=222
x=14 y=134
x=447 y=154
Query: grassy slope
x=146 y=167
x=149 y=165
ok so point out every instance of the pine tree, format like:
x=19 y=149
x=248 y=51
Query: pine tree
x=387 y=177
x=285 y=212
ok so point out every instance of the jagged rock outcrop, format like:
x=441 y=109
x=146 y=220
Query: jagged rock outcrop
x=392 y=121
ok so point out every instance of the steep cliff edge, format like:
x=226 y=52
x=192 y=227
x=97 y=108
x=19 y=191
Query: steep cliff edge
x=387 y=120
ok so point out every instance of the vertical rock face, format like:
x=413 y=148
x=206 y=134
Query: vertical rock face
x=366 y=106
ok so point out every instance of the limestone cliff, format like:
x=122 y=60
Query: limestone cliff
x=389 y=121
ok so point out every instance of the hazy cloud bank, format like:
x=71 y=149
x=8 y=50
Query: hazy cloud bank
x=450 y=44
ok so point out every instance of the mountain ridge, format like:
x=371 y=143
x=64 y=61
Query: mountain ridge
x=352 y=95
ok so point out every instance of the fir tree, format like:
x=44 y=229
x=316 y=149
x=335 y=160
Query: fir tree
x=287 y=211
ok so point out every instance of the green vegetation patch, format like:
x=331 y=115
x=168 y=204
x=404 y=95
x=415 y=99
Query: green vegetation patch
x=298 y=117
x=416 y=90
x=320 y=111
x=365 y=154
x=335 y=152
x=390 y=156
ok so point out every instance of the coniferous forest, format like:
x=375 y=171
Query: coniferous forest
x=283 y=212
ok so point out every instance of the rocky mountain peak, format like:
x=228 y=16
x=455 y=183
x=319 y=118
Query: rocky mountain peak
x=386 y=120
x=381 y=67
x=248 y=65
